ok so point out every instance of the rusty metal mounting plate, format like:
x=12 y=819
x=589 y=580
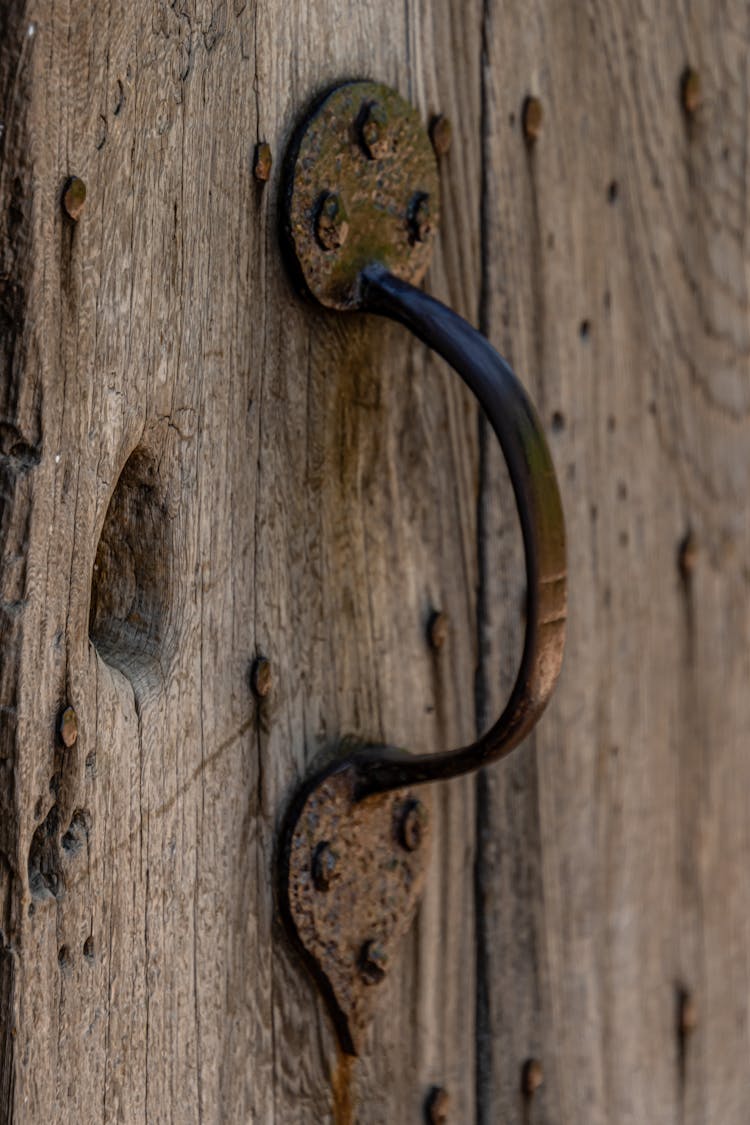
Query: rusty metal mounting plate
x=360 y=186
x=351 y=874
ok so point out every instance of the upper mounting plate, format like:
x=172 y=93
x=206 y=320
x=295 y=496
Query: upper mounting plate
x=361 y=187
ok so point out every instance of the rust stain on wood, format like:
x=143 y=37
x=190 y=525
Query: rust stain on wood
x=341 y=1087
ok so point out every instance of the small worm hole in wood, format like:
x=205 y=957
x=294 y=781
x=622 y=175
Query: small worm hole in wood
x=131 y=576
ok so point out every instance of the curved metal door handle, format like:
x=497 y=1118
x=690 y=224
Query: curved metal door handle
x=516 y=424
x=359 y=214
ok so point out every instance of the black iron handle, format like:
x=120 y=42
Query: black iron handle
x=515 y=421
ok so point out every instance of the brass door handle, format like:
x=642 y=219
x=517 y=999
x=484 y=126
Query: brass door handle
x=360 y=209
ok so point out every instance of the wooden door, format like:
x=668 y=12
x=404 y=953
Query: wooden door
x=198 y=469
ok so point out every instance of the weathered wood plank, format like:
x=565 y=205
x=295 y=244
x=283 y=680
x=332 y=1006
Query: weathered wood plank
x=284 y=482
x=304 y=486
x=613 y=868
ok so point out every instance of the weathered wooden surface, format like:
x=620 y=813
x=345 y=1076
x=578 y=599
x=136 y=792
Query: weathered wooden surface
x=284 y=482
x=305 y=486
x=615 y=846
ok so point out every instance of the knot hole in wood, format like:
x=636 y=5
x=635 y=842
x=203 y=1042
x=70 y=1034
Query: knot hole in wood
x=131 y=578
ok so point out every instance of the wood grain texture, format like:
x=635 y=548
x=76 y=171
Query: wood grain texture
x=198 y=468
x=612 y=872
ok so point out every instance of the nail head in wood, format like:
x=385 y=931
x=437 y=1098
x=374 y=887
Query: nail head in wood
x=262 y=162
x=262 y=677
x=531 y=118
x=441 y=134
x=438 y=1106
x=74 y=198
x=68 y=727
x=690 y=87
x=532 y=1077
x=437 y=630
x=688 y=555
x=688 y=1013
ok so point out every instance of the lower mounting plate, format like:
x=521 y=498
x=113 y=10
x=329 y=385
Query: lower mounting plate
x=351 y=874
